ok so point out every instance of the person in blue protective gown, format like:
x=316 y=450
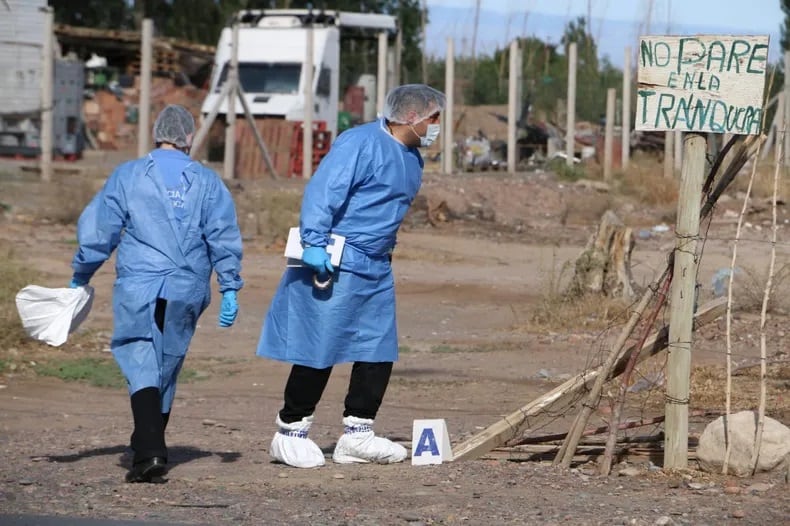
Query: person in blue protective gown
x=362 y=191
x=173 y=221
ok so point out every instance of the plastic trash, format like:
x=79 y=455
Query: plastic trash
x=720 y=281
x=50 y=315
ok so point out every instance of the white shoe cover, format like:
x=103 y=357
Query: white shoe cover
x=291 y=446
x=359 y=444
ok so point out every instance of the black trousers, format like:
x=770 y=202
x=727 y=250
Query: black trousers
x=148 y=437
x=366 y=390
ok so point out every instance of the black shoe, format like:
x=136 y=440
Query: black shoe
x=147 y=470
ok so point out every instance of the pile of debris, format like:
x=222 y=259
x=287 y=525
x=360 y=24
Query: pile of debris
x=112 y=115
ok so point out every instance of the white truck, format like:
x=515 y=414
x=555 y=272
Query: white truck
x=272 y=53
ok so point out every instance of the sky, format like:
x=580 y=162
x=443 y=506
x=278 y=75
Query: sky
x=615 y=23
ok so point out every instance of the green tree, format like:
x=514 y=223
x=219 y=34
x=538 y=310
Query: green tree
x=103 y=14
x=785 y=27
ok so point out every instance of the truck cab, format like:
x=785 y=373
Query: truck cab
x=272 y=53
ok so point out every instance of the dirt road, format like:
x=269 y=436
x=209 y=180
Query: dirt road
x=470 y=353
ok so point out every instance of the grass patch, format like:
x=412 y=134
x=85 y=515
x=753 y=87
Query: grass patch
x=564 y=172
x=65 y=206
x=558 y=311
x=97 y=372
x=763 y=186
x=645 y=182
x=750 y=288
x=269 y=212
x=13 y=276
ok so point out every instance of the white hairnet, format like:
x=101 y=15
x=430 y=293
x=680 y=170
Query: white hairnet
x=174 y=125
x=412 y=103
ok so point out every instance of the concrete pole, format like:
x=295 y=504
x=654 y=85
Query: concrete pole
x=608 y=141
x=47 y=96
x=229 y=165
x=144 y=108
x=679 y=152
x=307 y=122
x=449 y=119
x=626 y=137
x=398 y=58
x=779 y=126
x=787 y=109
x=669 y=164
x=570 y=124
x=682 y=302
x=381 y=78
x=512 y=107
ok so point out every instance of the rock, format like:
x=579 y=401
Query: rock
x=774 y=451
x=697 y=485
x=732 y=490
x=209 y=422
x=629 y=472
x=738 y=514
x=338 y=476
x=760 y=487
x=665 y=520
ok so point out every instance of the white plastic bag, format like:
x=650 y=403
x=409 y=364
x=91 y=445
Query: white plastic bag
x=50 y=315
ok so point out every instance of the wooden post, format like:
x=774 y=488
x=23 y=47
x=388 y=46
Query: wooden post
x=608 y=141
x=381 y=72
x=47 y=96
x=779 y=124
x=512 y=105
x=144 y=107
x=626 y=137
x=396 y=74
x=449 y=82
x=669 y=164
x=682 y=302
x=787 y=109
x=678 y=158
x=230 y=116
x=307 y=119
x=570 y=123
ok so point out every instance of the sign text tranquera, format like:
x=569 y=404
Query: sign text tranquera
x=701 y=83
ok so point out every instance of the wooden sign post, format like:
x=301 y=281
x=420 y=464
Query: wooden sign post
x=694 y=84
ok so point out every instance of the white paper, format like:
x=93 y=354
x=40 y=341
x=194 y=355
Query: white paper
x=293 y=248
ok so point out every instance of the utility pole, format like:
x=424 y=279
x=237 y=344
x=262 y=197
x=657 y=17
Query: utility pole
x=47 y=96
x=307 y=121
x=474 y=33
x=144 y=110
x=512 y=105
x=626 y=134
x=229 y=164
x=423 y=14
x=449 y=92
x=381 y=80
x=570 y=132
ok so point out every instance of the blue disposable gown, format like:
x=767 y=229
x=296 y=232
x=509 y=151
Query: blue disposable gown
x=159 y=256
x=361 y=190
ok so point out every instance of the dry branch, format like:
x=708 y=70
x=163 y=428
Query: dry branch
x=565 y=455
x=606 y=462
x=499 y=433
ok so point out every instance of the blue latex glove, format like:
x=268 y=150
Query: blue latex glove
x=317 y=258
x=78 y=280
x=229 y=309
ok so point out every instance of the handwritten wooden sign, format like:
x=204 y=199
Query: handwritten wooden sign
x=701 y=83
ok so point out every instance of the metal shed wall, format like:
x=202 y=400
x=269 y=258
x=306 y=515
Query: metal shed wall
x=21 y=37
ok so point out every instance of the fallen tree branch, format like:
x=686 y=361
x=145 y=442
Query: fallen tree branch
x=499 y=433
